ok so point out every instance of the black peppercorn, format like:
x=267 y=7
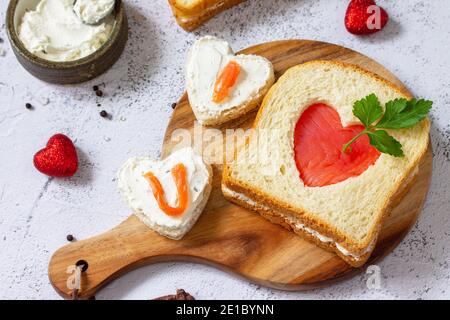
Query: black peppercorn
x=103 y=114
x=95 y=88
x=70 y=237
x=99 y=93
x=28 y=106
x=174 y=105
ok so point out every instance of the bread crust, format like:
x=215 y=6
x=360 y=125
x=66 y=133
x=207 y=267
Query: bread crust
x=275 y=216
x=191 y=18
x=305 y=217
x=193 y=8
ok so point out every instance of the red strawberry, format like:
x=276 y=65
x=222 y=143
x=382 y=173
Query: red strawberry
x=58 y=158
x=365 y=17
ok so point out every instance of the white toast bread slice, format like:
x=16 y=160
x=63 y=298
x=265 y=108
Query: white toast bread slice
x=190 y=14
x=344 y=217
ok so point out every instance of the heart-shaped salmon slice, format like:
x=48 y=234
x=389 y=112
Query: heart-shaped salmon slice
x=318 y=140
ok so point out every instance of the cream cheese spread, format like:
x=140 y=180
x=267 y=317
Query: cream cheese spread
x=138 y=194
x=92 y=11
x=54 y=32
x=207 y=57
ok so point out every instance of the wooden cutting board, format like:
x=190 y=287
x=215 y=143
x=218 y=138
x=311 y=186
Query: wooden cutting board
x=230 y=237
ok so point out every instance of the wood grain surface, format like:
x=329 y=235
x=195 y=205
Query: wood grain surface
x=230 y=237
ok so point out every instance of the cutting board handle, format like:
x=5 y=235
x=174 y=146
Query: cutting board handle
x=108 y=255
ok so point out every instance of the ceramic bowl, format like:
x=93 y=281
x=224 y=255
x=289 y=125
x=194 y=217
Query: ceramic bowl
x=72 y=71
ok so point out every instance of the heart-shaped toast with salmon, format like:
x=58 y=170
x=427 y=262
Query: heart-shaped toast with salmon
x=222 y=86
x=337 y=164
x=167 y=195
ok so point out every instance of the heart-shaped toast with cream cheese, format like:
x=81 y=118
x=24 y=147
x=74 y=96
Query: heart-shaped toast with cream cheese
x=222 y=86
x=167 y=195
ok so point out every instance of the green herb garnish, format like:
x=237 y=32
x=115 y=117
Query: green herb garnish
x=398 y=114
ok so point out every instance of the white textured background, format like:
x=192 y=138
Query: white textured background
x=36 y=213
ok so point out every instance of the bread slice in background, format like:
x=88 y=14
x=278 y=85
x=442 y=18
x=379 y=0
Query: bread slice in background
x=344 y=217
x=207 y=58
x=193 y=6
x=190 y=14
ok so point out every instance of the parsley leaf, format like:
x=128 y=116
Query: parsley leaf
x=398 y=114
x=368 y=110
x=385 y=143
x=401 y=113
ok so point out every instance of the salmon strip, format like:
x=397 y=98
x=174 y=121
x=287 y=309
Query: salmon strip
x=225 y=81
x=179 y=175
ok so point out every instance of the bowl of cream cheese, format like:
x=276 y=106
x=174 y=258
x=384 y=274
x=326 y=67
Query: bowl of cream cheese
x=67 y=41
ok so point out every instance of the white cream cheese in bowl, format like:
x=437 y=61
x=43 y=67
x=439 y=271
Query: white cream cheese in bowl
x=92 y=11
x=54 y=32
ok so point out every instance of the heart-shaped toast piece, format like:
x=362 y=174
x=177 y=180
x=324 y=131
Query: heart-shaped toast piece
x=156 y=191
x=207 y=61
x=318 y=140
